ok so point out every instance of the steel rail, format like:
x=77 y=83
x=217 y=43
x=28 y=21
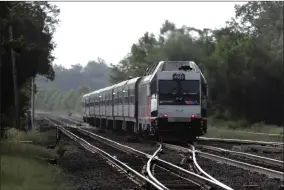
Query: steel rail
x=191 y=176
x=148 y=168
x=181 y=171
x=248 y=132
x=243 y=165
x=266 y=160
x=239 y=141
x=69 y=119
x=250 y=167
x=193 y=151
x=109 y=157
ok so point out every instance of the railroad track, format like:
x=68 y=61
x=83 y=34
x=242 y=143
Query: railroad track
x=238 y=141
x=160 y=174
x=272 y=150
x=273 y=164
x=269 y=163
x=258 y=181
x=219 y=157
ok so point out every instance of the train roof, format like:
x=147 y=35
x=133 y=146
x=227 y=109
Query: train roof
x=120 y=84
x=132 y=81
x=123 y=83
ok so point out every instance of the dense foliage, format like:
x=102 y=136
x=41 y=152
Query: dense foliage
x=94 y=75
x=52 y=99
x=33 y=25
x=65 y=92
x=243 y=62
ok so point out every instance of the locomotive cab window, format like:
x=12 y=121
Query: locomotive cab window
x=179 y=92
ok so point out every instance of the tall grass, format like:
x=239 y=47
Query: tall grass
x=242 y=130
x=20 y=168
x=19 y=173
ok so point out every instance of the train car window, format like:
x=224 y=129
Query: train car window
x=110 y=98
x=131 y=99
x=121 y=97
x=132 y=92
x=118 y=97
x=125 y=95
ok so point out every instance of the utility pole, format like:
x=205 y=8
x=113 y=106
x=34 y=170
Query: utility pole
x=1 y=44
x=14 y=71
x=32 y=102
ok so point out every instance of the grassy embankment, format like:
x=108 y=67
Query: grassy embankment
x=242 y=130
x=24 y=166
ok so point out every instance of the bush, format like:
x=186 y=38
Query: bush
x=19 y=168
x=18 y=173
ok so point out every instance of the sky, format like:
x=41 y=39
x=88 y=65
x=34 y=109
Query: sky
x=108 y=29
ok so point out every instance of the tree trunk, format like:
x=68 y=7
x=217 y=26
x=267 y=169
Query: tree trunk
x=14 y=71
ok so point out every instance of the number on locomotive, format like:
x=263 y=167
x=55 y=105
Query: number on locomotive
x=178 y=76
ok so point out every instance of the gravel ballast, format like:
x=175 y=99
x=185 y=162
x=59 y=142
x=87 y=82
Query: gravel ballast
x=234 y=177
x=90 y=171
x=238 y=178
x=245 y=148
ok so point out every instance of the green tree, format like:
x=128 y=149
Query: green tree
x=243 y=62
x=33 y=25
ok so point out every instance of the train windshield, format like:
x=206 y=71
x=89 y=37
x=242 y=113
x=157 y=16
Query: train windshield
x=186 y=92
x=189 y=87
x=168 y=87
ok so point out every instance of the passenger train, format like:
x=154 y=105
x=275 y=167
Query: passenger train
x=168 y=102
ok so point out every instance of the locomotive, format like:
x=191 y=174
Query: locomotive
x=168 y=102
